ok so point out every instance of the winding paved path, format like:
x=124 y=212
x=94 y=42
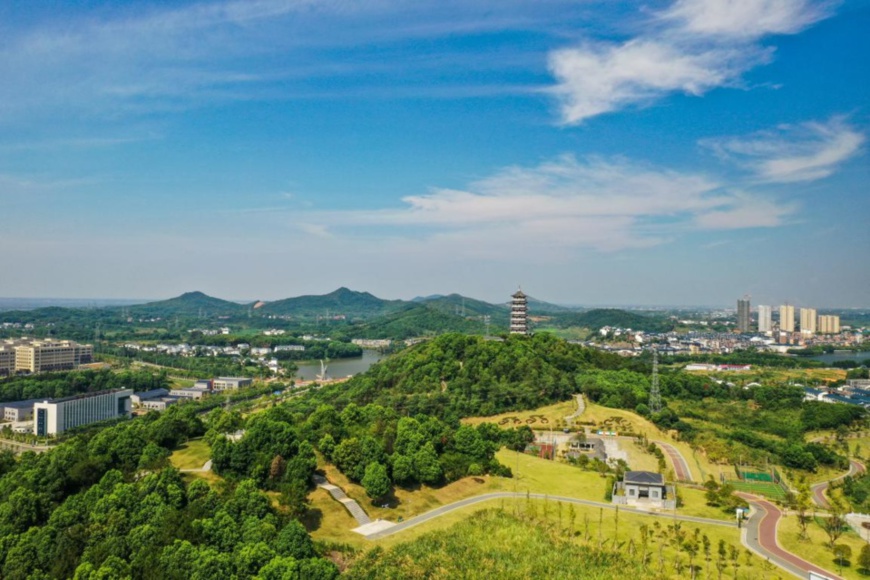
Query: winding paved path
x=681 y=467
x=819 y=489
x=203 y=469
x=440 y=511
x=338 y=494
x=759 y=535
x=581 y=406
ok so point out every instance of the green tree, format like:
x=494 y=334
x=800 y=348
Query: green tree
x=376 y=481
x=864 y=558
x=426 y=466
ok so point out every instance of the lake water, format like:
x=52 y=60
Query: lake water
x=339 y=368
x=838 y=356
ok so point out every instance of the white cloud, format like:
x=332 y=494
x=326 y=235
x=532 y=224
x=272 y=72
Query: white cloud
x=600 y=78
x=694 y=46
x=746 y=18
x=793 y=153
x=559 y=205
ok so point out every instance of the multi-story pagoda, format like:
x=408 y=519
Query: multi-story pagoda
x=519 y=313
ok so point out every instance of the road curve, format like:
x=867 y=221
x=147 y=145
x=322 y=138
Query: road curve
x=819 y=489
x=759 y=535
x=681 y=467
x=440 y=511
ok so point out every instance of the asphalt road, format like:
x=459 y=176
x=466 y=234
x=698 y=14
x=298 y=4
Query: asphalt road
x=820 y=488
x=681 y=468
x=437 y=512
x=759 y=535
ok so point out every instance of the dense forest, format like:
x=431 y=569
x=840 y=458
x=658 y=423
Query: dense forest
x=456 y=375
x=63 y=384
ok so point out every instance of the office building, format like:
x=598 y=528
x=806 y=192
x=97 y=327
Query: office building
x=786 y=318
x=829 y=324
x=519 y=313
x=808 y=320
x=228 y=383
x=56 y=416
x=744 y=316
x=7 y=360
x=36 y=356
x=765 y=318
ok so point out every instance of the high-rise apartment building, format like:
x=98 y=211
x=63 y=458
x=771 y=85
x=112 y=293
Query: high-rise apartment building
x=786 y=318
x=808 y=320
x=744 y=316
x=829 y=324
x=36 y=356
x=519 y=313
x=56 y=416
x=765 y=318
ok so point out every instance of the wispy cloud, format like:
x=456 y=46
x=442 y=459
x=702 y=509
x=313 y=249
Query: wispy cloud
x=562 y=204
x=694 y=46
x=139 y=59
x=793 y=153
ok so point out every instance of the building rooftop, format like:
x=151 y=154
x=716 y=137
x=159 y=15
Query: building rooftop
x=644 y=478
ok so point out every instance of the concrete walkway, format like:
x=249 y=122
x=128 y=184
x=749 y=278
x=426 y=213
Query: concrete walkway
x=440 y=511
x=759 y=535
x=581 y=406
x=338 y=494
x=203 y=469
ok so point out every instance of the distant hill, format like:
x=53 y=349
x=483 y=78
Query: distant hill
x=540 y=307
x=600 y=317
x=462 y=305
x=414 y=320
x=342 y=301
x=189 y=304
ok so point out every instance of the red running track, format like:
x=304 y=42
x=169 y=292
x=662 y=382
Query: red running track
x=681 y=468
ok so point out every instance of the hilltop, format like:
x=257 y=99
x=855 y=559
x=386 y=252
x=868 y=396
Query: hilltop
x=189 y=304
x=343 y=301
x=601 y=317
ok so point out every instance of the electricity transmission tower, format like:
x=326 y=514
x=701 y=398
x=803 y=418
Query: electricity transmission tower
x=655 y=395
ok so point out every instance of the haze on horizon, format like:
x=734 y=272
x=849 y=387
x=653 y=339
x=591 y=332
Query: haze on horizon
x=686 y=153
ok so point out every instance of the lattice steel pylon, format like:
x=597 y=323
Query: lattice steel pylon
x=655 y=395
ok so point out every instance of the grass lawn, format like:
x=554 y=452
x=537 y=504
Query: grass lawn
x=623 y=527
x=695 y=504
x=191 y=455
x=770 y=490
x=554 y=414
x=815 y=549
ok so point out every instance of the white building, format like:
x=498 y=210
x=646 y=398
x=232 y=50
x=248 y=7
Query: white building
x=58 y=415
x=765 y=318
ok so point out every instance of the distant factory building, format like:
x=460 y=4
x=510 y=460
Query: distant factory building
x=519 y=313
x=53 y=417
x=229 y=383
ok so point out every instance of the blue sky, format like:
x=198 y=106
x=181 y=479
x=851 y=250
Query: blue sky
x=682 y=152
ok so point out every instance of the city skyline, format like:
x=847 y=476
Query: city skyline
x=592 y=152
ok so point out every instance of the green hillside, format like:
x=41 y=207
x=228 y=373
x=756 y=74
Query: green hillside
x=339 y=302
x=462 y=305
x=469 y=375
x=600 y=317
x=413 y=320
x=189 y=304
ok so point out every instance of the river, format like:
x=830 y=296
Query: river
x=831 y=357
x=340 y=367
